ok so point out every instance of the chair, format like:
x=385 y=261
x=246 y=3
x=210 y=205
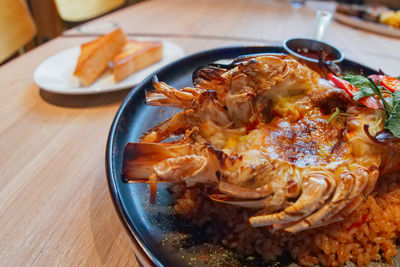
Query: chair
x=16 y=27
x=80 y=10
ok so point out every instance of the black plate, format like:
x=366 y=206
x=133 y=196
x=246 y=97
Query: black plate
x=159 y=237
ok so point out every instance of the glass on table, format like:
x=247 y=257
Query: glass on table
x=297 y=3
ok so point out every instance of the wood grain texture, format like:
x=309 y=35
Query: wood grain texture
x=270 y=20
x=54 y=202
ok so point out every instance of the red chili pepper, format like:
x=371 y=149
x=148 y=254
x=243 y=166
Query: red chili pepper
x=342 y=84
x=350 y=89
x=369 y=101
x=358 y=224
x=391 y=83
x=376 y=78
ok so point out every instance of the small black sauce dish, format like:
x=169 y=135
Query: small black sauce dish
x=308 y=50
x=318 y=55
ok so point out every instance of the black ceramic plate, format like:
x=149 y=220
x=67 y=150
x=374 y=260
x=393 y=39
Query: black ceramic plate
x=159 y=237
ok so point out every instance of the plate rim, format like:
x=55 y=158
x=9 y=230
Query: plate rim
x=85 y=90
x=377 y=28
x=145 y=256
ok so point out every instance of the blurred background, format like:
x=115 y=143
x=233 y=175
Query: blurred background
x=25 y=24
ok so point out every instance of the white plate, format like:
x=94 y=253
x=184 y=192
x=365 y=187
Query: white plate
x=55 y=73
x=367 y=25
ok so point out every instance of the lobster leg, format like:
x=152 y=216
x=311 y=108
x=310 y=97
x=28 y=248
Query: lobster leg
x=172 y=163
x=140 y=158
x=165 y=95
x=178 y=124
x=356 y=181
x=317 y=187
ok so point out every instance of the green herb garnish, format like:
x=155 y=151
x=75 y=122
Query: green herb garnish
x=378 y=92
x=333 y=116
x=392 y=122
x=378 y=121
x=392 y=109
x=363 y=85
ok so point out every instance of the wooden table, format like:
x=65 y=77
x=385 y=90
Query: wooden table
x=55 y=208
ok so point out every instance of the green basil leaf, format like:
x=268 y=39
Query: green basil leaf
x=360 y=94
x=393 y=121
x=395 y=98
x=362 y=83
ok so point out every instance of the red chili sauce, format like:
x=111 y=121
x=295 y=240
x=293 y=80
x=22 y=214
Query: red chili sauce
x=314 y=54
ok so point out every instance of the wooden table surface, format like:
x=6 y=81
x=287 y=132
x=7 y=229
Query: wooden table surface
x=54 y=202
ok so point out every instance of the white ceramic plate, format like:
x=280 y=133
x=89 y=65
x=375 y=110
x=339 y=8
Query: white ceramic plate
x=55 y=73
x=367 y=25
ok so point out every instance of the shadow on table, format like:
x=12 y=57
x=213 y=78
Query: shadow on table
x=109 y=238
x=81 y=101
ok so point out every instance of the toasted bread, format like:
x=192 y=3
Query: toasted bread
x=96 y=55
x=136 y=55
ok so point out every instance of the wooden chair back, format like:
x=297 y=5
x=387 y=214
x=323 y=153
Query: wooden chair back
x=16 y=27
x=80 y=10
